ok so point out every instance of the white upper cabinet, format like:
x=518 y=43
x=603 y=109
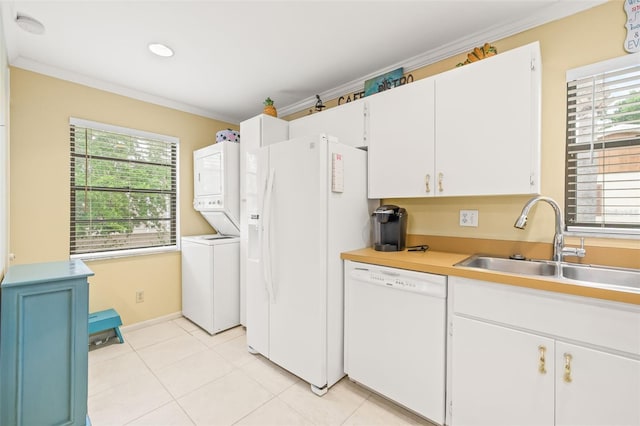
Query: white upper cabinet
x=473 y=130
x=401 y=141
x=346 y=122
x=487 y=121
x=262 y=130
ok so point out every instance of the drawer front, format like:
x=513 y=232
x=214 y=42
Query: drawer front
x=602 y=323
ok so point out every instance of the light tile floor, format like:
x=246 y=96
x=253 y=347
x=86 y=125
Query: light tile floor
x=173 y=373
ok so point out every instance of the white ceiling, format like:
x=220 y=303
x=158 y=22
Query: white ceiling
x=231 y=55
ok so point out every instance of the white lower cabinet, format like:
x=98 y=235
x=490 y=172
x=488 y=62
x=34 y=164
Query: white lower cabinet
x=596 y=388
x=495 y=376
x=527 y=357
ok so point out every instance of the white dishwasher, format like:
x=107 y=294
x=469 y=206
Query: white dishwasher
x=395 y=335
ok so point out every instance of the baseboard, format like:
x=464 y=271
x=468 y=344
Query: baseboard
x=153 y=321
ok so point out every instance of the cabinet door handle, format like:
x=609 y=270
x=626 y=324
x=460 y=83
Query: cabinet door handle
x=542 y=362
x=567 y=367
x=440 y=179
x=427 y=188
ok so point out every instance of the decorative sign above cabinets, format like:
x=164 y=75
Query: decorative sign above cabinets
x=379 y=84
x=632 y=42
x=383 y=82
x=352 y=97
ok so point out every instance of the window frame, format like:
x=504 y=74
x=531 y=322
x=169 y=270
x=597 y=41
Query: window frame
x=126 y=252
x=581 y=229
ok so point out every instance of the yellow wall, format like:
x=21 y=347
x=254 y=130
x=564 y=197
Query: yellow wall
x=39 y=157
x=39 y=186
x=591 y=36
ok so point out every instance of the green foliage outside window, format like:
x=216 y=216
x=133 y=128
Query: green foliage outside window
x=123 y=191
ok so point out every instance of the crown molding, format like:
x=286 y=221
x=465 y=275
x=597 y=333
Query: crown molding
x=558 y=10
x=62 y=74
x=553 y=12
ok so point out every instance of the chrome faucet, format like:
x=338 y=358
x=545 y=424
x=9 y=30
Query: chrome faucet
x=559 y=250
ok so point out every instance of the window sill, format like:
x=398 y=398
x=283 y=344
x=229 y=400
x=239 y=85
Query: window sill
x=87 y=257
x=622 y=234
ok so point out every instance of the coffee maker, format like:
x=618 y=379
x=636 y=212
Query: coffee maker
x=389 y=224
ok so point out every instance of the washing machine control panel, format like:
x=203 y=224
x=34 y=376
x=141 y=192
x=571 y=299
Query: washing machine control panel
x=212 y=202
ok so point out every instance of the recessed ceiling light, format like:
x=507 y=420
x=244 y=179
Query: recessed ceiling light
x=160 y=50
x=29 y=24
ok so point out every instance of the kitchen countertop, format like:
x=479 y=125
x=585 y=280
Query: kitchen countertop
x=442 y=263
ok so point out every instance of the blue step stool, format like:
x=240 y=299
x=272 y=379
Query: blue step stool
x=105 y=320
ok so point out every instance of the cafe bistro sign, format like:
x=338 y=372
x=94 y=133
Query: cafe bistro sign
x=379 y=84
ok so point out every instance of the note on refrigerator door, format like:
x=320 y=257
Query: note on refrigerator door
x=337 y=173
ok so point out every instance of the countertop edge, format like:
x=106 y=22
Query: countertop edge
x=443 y=263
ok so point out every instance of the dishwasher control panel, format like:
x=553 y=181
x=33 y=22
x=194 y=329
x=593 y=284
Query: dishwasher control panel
x=419 y=282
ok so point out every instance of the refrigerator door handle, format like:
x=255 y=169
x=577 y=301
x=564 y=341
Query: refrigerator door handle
x=266 y=236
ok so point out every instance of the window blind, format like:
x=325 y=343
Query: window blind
x=603 y=150
x=123 y=190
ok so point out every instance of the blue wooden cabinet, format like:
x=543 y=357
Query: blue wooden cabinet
x=44 y=344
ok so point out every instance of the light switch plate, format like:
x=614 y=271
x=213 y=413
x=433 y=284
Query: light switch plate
x=469 y=218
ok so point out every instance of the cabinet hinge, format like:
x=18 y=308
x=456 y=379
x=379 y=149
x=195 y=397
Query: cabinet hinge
x=532 y=181
x=450 y=328
x=365 y=123
x=450 y=408
x=533 y=64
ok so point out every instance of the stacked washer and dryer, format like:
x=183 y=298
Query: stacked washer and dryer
x=211 y=263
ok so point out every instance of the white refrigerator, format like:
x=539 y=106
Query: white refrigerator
x=306 y=203
x=258 y=131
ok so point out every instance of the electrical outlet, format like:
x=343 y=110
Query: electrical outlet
x=469 y=218
x=139 y=296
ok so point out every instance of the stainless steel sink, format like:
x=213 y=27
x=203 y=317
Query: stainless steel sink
x=621 y=279
x=500 y=264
